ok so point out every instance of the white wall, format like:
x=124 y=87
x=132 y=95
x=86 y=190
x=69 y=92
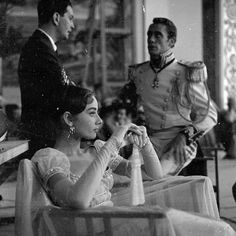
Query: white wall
x=187 y=16
x=227 y=57
x=138 y=30
x=11 y=95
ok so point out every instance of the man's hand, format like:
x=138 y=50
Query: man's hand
x=177 y=148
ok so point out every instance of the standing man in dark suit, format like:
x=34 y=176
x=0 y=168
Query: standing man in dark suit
x=41 y=74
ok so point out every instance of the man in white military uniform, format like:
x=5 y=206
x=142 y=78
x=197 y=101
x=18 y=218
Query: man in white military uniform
x=174 y=95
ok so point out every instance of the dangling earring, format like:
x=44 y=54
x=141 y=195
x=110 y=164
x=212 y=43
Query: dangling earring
x=71 y=131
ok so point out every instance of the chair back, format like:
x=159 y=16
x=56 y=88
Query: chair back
x=30 y=198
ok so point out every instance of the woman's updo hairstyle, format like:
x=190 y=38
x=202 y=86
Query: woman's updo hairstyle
x=74 y=100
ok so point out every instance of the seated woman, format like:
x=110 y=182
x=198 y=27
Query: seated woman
x=80 y=178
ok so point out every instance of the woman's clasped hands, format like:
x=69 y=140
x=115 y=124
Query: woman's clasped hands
x=131 y=134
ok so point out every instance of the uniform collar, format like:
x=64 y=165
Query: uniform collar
x=166 y=58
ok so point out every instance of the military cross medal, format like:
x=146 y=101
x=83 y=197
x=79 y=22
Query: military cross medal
x=155 y=82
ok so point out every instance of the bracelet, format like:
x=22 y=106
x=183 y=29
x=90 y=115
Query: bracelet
x=114 y=162
x=115 y=143
x=147 y=140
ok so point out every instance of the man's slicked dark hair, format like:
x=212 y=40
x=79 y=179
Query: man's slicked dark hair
x=46 y=9
x=170 y=26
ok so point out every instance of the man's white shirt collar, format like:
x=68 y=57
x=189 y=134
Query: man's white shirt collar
x=50 y=38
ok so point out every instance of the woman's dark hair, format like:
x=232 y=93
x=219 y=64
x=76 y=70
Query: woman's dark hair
x=46 y=9
x=72 y=99
x=170 y=26
x=75 y=99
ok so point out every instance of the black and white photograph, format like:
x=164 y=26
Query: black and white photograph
x=118 y=117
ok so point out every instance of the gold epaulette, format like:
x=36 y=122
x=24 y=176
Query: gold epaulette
x=197 y=71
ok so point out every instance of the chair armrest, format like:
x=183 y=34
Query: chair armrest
x=105 y=211
x=106 y=214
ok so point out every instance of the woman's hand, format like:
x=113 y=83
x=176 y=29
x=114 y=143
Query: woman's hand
x=138 y=140
x=121 y=132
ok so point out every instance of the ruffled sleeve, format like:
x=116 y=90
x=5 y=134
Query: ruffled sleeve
x=49 y=162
